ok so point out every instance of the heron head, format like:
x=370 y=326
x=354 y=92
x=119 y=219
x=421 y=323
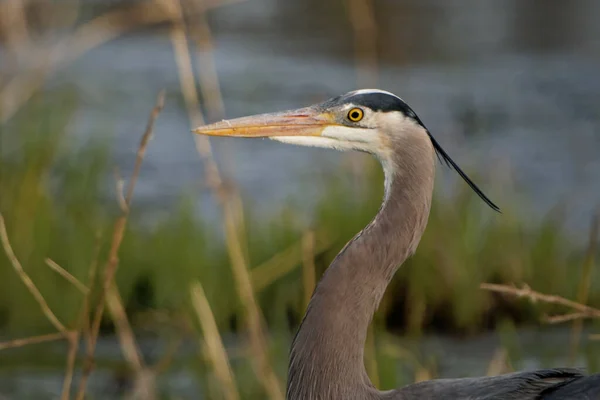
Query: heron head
x=368 y=120
x=363 y=120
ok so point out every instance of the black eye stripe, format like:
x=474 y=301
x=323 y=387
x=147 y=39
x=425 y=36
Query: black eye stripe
x=376 y=101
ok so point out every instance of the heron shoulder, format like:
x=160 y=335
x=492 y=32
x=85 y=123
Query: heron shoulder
x=532 y=385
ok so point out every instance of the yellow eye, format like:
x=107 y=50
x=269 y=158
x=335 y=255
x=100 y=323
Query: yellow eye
x=355 y=115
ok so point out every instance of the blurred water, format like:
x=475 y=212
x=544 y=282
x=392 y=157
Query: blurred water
x=509 y=88
x=452 y=358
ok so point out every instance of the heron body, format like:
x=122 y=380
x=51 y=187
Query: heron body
x=327 y=354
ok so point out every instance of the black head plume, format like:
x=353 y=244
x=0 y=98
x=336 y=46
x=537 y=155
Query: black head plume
x=382 y=101
x=443 y=156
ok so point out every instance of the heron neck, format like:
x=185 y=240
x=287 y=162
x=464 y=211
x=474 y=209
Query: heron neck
x=327 y=354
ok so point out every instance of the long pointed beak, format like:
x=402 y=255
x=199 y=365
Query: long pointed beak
x=301 y=122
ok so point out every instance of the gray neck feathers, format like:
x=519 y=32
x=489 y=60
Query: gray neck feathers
x=326 y=360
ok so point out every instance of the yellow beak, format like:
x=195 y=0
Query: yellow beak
x=301 y=122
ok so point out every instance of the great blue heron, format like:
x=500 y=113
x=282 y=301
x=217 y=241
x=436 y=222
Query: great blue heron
x=326 y=358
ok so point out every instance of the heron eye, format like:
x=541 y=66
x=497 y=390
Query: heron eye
x=355 y=115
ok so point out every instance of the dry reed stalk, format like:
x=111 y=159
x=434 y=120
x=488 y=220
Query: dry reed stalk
x=213 y=344
x=258 y=342
x=65 y=274
x=84 y=38
x=34 y=340
x=238 y=204
x=82 y=325
x=584 y=310
x=308 y=266
x=286 y=261
x=27 y=280
x=125 y=333
x=89 y=35
x=92 y=277
x=120 y=186
x=361 y=15
x=187 y=84
x=364 y=26
x=71 y=336
x=262 y=367
x=558 y=319
x=13 y=25
x=208 y=78
x=584 y=287
x=113 y=259
x=71 y=358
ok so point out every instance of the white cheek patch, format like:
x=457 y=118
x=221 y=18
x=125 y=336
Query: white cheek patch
x=339 y=138
x=347 y=134
x=362 y=139
x=310 y=141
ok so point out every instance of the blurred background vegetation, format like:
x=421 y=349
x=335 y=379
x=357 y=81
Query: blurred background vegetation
x=222 y=246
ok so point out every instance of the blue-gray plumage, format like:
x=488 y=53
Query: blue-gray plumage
x=326 y=359
x=549 y=384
